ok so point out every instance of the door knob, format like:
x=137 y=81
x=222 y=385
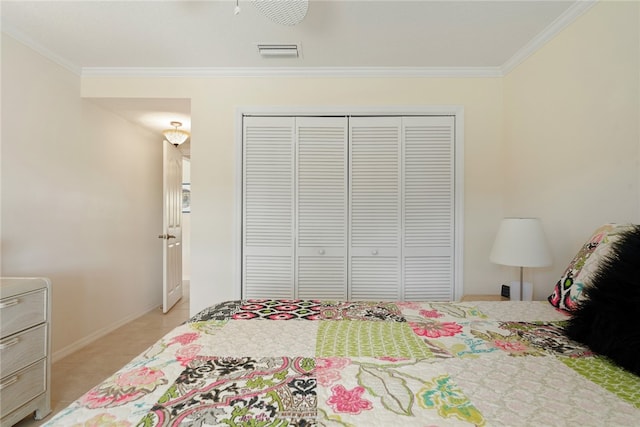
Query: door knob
x=374 y=252
x=321 y=251
x=166 y=236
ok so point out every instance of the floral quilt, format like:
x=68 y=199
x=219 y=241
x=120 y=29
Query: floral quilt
x=337 y=363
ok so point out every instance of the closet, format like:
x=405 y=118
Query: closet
x=348 y=207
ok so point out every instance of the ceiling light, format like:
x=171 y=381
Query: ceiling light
x=278 y=50
x=176 y=136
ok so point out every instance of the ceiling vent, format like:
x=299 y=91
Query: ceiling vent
x=282 y=50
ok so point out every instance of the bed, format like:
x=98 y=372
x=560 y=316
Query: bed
x=324 y=363
x=274 y=362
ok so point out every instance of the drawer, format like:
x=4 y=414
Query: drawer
x=22 y=311
x=22 y=349
x=19 y=388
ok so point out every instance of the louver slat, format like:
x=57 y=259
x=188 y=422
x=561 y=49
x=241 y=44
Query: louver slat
x=428 y=185
x=374 y=278
x=268 y=277
x=321 y=182
x=322 y=277
x=428 y=278
x=375 y=195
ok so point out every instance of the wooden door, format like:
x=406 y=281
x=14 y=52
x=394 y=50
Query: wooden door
x=172 y=225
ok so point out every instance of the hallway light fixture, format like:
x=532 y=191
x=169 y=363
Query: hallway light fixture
x=176 y=136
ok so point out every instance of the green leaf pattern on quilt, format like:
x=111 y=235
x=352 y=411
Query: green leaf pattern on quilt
x=326 y=420
x=442 y=394
x=458 y=311
x=210 y=327
x=603 y=372
x=390 y=387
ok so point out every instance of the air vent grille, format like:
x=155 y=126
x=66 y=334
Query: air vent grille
x=287 y=50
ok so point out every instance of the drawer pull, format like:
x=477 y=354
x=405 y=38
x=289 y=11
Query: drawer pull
x=9 y=303
x=9 y=343
x=10 y=381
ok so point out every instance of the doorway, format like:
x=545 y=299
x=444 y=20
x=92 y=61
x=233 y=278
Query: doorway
x=155 y=115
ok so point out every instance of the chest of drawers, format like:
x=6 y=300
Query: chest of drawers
x=25 y=355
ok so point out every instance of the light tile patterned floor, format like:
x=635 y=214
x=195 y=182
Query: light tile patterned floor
x=75 y=374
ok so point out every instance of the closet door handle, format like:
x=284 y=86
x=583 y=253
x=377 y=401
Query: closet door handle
x=374 y=252
x=321 y=251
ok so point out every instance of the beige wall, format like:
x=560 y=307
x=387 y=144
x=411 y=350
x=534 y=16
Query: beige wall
x=81 y=200
x=557 y=138
x=214 y=103
x=571 y=132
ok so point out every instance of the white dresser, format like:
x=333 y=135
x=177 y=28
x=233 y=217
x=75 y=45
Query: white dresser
x=25 y=349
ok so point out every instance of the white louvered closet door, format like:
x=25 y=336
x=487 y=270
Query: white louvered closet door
x=428 y=208
x=268 y=207
x=374 y=200
x=321 y=198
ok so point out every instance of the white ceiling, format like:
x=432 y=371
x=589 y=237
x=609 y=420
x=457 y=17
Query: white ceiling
x=191 y=36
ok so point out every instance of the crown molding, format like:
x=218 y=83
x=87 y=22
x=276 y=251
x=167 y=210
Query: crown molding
x=27 y=41
x=570 y=15
x=561 y=22
x=293 y=72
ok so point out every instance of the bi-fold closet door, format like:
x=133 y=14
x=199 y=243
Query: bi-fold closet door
x=348 y=208
x=295 y=207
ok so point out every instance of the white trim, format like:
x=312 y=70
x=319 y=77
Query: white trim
x=349 y=110
x=359 y=72
x=444 y=110
x=96 y=335
x=236 y=244
x=50 y=55
x=458 y=231
x=574 y=11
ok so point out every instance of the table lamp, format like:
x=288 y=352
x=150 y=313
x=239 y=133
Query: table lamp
x=521 y=242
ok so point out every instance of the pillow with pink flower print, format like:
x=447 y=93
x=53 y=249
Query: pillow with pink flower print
x=568 y=291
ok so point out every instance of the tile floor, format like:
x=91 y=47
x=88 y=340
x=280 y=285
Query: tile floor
x=75 y=374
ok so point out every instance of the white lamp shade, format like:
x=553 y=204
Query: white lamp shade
x=521 y=242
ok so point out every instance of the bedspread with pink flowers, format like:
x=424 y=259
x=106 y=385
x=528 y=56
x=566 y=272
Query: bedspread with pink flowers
x=337 y=363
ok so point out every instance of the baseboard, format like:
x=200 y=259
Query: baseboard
x=72 y=348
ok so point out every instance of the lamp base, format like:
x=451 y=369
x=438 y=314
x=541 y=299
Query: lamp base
x=514 y=291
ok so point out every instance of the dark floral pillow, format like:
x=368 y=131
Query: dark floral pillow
x=606 y=318
x=569 y=290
